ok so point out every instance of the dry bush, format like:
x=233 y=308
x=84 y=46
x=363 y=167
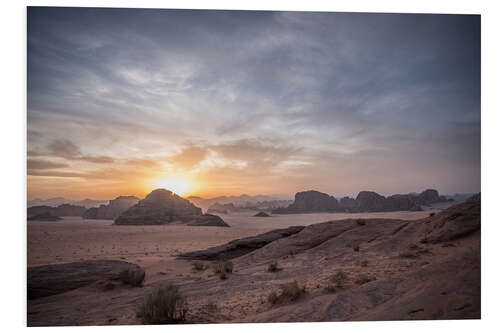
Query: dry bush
x=132 y=277
x=164 y=306
x=290 y=292
x=361 y=222
x=273 y=267
x=199 y=266
x=362 y=279
x=355 y=248
x=364 y=263
x=336 y=282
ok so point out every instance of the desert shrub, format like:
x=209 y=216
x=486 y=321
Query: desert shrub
x=273 y=267
x=223 y=266
x=210 y=306
x=432 y=214
x=361 y=222
x=364 y=263
x=132 y=277
x=273 y=298
x=408 y=254
x=290 y=292
x=199 y=266
x=164 y=306
x=355 y=248
x=362 y=279
x=222 y=275
x=336 y=282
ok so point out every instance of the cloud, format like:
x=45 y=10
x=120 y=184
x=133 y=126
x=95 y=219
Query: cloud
x=43 y=164
x=268 y=92
x=64 y=148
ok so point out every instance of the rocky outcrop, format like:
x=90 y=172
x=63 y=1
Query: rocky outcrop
x=310 y=201
x=262 y=214
x=164 y=207
x=474 y=198
x=61 y=210
x=44 y=217
x=218 y=208
x=56 y=279
x=366 y=201
x=241 y=246
x=429 y=197
x=112 y=210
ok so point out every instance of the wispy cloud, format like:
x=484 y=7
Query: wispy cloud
x=255 y=101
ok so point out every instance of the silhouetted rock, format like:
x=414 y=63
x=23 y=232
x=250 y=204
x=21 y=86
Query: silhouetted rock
x=369 y=201
x=310 y=201
x=429 y=197
x=398 y=202
x=44 y=217
x=348 y=204
x=61 y=210
x=55 y=279
x=262 y=214
x=221 y=208
x=164 y=207
x=239 y=247
x=112 y=210
x=475 y=198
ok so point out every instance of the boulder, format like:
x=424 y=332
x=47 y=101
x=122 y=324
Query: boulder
x=44 y=217
x=262 y=214
x=56 y=279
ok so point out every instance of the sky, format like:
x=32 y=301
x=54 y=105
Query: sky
x=207 y=103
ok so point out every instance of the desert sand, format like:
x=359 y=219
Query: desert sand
x=243 y=297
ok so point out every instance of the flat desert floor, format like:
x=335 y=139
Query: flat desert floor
x=151 y=247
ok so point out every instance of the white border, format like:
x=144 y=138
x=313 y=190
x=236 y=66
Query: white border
x=13 y=196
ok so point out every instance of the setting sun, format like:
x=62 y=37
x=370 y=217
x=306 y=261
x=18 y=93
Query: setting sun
x=178 y=185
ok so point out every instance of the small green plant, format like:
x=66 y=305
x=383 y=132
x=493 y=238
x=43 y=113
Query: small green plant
x=199 y=266
x=273 y=267
x=164 y=306
x=290 y=292
x=362 y=279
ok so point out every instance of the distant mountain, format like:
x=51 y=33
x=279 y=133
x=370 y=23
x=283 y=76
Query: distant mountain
x=240 y=200
x=459 y=197
x=54 y=202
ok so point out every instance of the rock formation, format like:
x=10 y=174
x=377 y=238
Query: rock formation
x=61 y=210
x=366 y=201
x=262 y=214
x=218 y=208
x=44 y=217
x=310 y=201
x=475 y=198
x=164 y=207
x=56 y=279
x=112 y=210
x=239 y=247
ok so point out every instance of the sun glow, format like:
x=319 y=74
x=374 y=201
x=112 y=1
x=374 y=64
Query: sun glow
x=178 y=185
